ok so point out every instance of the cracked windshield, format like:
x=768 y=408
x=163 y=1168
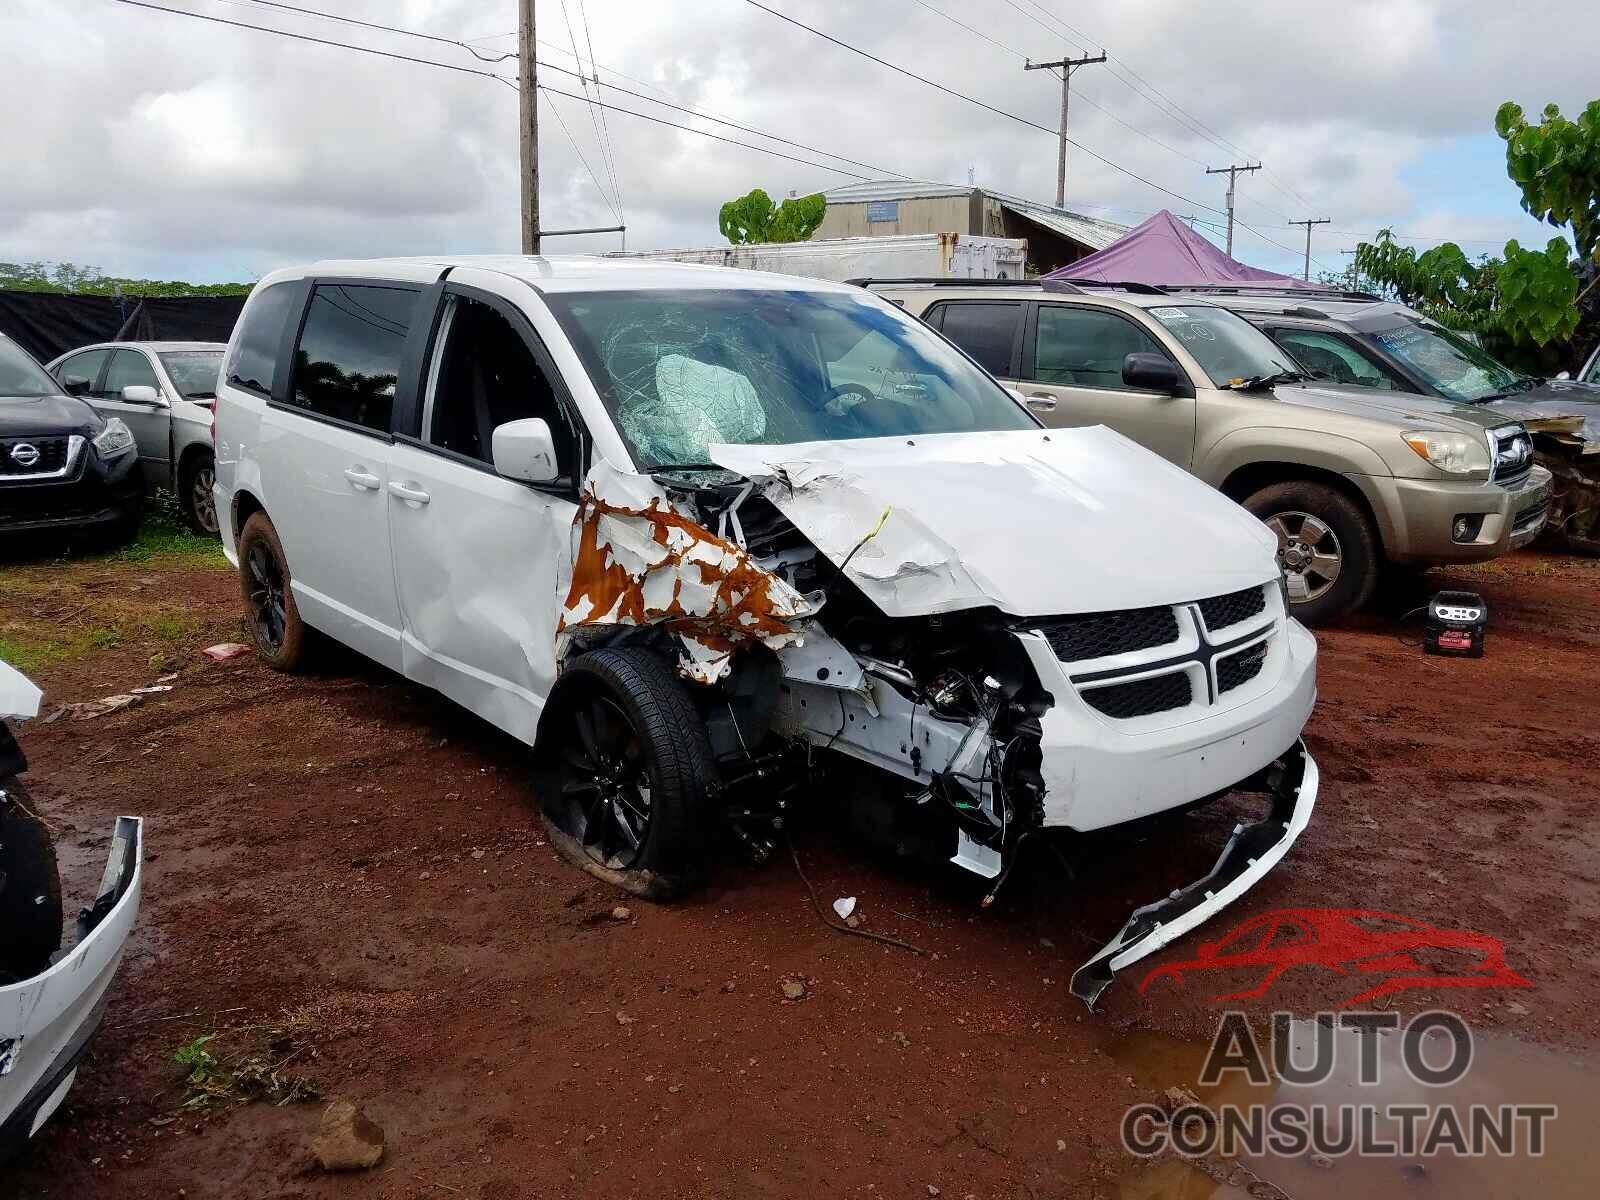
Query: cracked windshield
x=681 y=371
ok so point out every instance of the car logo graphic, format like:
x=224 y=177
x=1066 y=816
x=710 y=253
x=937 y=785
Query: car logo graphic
x=24 y=454
x=1355 y=942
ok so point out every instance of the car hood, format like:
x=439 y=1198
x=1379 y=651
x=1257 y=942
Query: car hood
x=1033 y=523
x=1555 y=398
x=1405 y=409
x=42 y=416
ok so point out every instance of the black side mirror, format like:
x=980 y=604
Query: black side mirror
x=75 y=385
x=1154 y=373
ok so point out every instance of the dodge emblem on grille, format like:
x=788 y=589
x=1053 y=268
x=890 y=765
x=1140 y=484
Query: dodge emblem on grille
x=24 y=454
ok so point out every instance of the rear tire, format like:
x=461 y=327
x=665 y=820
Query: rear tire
x=30 y=888
x=621 y=741
x=199 y=508
x=1326 y=545
x=271 y=617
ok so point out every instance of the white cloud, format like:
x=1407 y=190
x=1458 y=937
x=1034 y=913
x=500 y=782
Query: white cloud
x=147 y=143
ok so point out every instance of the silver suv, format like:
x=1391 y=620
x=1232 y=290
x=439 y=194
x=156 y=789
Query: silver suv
x=1347 y=477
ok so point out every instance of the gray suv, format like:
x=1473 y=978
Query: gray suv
x=1349 y=478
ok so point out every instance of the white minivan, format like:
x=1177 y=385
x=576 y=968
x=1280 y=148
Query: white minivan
x=719 y=544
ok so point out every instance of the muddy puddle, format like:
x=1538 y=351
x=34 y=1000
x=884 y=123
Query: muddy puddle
x=1502 y=1072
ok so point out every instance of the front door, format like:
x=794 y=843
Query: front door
x=151 y=423
x=326 y=451
x=1074 y=359
x=477 y=557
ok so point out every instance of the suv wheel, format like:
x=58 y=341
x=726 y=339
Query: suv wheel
x=1326 y=547
x=194 y=495
x=278 y=633
x=628 y=773
x=30 y=888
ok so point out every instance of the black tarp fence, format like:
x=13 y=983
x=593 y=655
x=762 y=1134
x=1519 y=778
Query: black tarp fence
x=49 y=323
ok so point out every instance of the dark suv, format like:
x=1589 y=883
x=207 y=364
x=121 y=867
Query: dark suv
x=63 y=467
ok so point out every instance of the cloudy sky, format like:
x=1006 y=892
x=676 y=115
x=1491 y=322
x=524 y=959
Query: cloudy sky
x=151 y=144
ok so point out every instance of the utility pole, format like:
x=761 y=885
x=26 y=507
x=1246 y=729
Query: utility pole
x=528 y=87
x=1067 y=65
x=1308 y=224
x=1232 y=173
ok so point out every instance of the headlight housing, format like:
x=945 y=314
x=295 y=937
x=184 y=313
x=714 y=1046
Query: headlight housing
x=1452 y=453
x=116 y=438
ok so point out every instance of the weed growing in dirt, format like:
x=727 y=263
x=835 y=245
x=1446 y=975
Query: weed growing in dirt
x=213 y=1081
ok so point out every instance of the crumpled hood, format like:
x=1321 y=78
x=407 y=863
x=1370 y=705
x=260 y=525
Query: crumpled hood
x=1034 y=523
x=1555 y=398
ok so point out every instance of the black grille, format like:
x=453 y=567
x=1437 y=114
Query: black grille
x=1095 y=635
x=1236 y=670
x=1142 y=697
x=1530 y=516
x=1513 y=457
x=1222 y=611
x=52 y=455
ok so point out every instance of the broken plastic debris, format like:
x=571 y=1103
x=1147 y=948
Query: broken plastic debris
x=88 y=710
x=844 y=906
x=223 y=651
x=153 y=689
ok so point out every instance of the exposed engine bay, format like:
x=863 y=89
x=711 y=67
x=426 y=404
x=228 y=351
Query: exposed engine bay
x=936 y=717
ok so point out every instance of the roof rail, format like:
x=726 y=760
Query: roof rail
x=939 y=281
x=1141 y=289
x=1246 y=289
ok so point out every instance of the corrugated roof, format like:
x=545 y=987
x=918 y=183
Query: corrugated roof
x=1087 y=231
x=892 y=189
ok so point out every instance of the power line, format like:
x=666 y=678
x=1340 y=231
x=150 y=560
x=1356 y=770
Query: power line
x=594 y=113
x=562 y=122
x=605 y=128
x=306 y=37
x=979 y=103
x=430 y=37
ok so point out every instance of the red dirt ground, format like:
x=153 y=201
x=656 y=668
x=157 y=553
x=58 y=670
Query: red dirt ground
x=345 y=871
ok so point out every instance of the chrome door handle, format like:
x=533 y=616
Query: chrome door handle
x=362 y=478
x=1040 y=402
x=409 y=491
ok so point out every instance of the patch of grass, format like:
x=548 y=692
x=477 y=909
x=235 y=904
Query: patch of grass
x=172 y=627
x=213 y=1081
x=28 y=652
x=164 y=536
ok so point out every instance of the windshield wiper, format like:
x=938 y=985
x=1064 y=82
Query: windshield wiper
x=1255 y=382
x=1525 y=384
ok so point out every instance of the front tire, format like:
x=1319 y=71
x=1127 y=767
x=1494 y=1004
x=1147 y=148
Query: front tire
x=30 y=888
x=1326 y=546
x=627 y=779
x=199 y=507
x=273 y=620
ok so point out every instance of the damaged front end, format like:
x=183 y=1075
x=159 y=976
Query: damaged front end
x=824 y=627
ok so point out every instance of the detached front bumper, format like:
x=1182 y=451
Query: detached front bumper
x=47 y=1021
x=1251 y=852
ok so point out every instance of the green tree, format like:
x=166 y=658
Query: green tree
x=755 y=218
x=1556 y=163
x=71 y=279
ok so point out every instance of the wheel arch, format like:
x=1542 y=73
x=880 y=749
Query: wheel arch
x=245 y=505
x=1244 y=481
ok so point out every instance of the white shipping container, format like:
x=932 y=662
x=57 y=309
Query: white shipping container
x=941 y=255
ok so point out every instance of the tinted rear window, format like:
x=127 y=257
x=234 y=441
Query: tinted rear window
x=348 y=360
x=253 y=364
x=985 y=330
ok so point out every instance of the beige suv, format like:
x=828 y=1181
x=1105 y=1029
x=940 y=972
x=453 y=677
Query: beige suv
x=1349 y=478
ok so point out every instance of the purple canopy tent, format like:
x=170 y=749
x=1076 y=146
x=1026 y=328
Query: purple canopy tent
x=1165 y=251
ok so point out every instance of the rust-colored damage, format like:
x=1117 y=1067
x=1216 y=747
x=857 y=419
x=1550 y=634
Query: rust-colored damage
x=655 y=566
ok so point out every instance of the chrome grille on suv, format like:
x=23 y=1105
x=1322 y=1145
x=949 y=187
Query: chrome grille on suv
x=1222 y=611
x=1141 y=697
x=1095 y=635
x=32 y=456
x=1513 y=455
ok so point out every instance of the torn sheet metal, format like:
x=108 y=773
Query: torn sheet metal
x=639 y=560
x=1563 y=444
x=1033 y=523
